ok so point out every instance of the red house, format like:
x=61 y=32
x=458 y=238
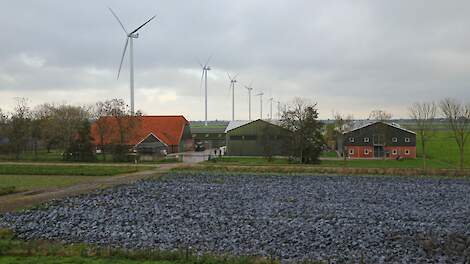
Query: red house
x=148 y=134
x=379 y=140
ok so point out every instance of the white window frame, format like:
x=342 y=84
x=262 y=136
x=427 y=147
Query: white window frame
x=407 y=140
x=407 y=152
x=394 y=152
x=394 y=140
x=366 y=140
x=351 y=139
x=351 y=151
x=366 y=151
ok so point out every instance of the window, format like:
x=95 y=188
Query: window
x=366 y=152
x=351 y=139
x=407 y=139
x=366 y=139
x=395 y=139
x=394 y=152
x=351 y=151
x=407 y=152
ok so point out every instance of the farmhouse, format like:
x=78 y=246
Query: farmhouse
x=148 y=135
x=379 y=140
x=256 y=138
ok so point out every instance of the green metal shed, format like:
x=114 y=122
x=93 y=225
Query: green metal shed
x=257 y=138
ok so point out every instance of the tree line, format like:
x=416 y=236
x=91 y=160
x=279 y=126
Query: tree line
x=61 y=127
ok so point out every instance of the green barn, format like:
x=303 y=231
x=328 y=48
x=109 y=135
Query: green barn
x=256 y=138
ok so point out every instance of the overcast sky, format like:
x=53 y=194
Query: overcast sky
x=349 y=56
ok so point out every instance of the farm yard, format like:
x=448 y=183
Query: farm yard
x=340 y=219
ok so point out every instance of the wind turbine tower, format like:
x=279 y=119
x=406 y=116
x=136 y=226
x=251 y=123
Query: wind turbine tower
x=278 y=110
x=233 y=81
x=249 y=88
x=260 y=94
x=205 y=69
x=271 y=108
x=130 y=36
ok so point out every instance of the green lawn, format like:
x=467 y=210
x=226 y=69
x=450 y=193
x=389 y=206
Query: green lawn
x=74 y=170
x=42 y=155
x=329 y=154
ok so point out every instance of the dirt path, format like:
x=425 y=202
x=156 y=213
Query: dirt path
x=27 y=199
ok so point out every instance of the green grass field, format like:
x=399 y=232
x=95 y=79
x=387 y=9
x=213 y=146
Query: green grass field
x=442 y=148
x=73 y=170
x=21 y=177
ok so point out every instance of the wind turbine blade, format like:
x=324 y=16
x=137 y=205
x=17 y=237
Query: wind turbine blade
x=199 y=61
x=135 y=30
x=235 y=77
x=228 y=74
x=122 y=58
x=117 y=18
x=208 y=60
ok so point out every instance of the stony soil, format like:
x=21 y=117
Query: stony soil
x=342 y=219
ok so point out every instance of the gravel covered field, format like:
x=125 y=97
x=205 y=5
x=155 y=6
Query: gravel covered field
x=338 y=218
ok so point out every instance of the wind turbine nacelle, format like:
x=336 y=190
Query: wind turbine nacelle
x=135 y=35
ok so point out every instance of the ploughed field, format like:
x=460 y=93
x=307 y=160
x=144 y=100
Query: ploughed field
x=336 y=218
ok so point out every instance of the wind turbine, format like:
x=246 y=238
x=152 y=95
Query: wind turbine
x=260 y=94
x=130 y=36
x=232 y=86
x=278 y=110
x=205 y=69
x=249 y=88
x=271 y=108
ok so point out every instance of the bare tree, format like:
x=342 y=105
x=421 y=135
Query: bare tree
x=458 y=119
x=101 y=111
x=424 y=114
x=18 y=130
x=380 y=115
x=342 y=123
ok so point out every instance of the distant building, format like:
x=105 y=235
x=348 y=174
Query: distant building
x=149 y=135
x=378 y=140
x=210 y=136
x=256 y=138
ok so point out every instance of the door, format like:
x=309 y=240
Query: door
x=379 y=151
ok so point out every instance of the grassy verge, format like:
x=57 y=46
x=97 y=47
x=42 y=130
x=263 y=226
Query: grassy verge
x=8 y=189
x=48 y=252
x=17 y=183
x=74 y=170
x=308 y=169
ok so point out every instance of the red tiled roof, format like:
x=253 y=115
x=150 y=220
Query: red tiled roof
x=169 y=129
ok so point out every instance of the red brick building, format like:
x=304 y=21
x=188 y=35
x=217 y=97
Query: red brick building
x=379 y=140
